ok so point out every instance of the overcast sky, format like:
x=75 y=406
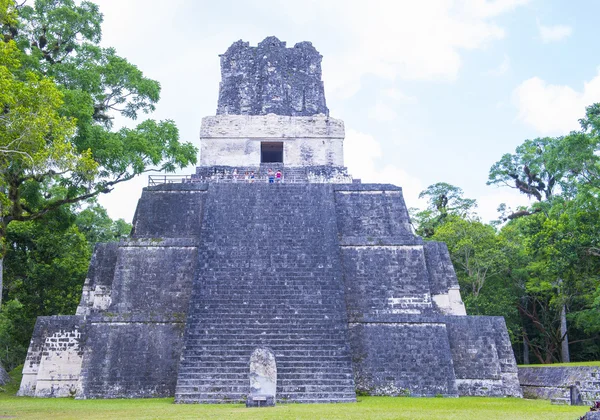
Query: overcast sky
x=430 y=91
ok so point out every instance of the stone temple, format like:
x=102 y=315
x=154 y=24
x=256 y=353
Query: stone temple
x=313 y=288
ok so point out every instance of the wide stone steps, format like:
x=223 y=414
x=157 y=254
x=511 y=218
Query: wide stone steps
x=268 y=277
x=307 y=398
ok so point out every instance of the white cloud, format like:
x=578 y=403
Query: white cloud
x=393 y=39
x=382 y=112
x=502 y=68
x=361 y=155
x=487 y=204
x=553 y=33
x=411 y=40
x=399 y=96
x=554 y=109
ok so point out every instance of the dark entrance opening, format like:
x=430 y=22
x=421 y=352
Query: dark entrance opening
x=271 y=152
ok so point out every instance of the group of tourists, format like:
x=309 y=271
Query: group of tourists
x=274 y=176
x=250 y=176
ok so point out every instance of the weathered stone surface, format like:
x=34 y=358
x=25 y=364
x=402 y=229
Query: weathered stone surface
x=155 y=218
x=482 y=354
x=552 y=383
x=271 y=276
x=263 y=378
x=322 y=270
x=271 y=79
x=402 y=358
x=235 y=140
x=592 y=415
x=96 y=294
x=445 y=292
x=125 y=358
x=54 y=357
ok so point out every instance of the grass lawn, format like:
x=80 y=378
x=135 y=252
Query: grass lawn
x=367 y=408
x=596 y=363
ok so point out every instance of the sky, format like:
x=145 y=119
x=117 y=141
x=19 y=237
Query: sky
x=430 y=91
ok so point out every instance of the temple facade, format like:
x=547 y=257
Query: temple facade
x=241 y=285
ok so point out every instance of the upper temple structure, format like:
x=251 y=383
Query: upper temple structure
x=271 y=79
x=270 y=274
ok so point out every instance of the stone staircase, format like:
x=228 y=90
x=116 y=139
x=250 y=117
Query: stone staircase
x=268 y=277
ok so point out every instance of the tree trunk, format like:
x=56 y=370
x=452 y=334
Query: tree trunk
x=564 y=347
x=4 y=378
x=525 y=351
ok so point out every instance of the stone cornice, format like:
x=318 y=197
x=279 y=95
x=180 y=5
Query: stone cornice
x=271 y=126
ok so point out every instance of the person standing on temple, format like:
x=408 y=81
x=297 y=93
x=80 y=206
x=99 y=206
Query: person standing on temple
x=278 y=176
x=271 y=176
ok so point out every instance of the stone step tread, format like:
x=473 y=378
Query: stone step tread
x=242 y=399
x=224 y=385
x=242 y=365
x=337 y=354
x=282 y=379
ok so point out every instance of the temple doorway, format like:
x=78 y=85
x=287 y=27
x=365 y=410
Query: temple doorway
x=271 y=152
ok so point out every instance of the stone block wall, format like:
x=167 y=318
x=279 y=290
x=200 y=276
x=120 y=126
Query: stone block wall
x=385 y=280
x=54 y=357
x=235 y=140
x=402 y=358
x=133 y=347
x=395 y=350
x=443 y=282
x=552 y=383
x=97 y=289
x=169 y=211
x=328 y=276
x=370 y=214
x=128 y=356
x=154 y=276
x=483 y=360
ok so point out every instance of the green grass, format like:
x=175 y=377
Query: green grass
x=366 y=408
x=596 y=363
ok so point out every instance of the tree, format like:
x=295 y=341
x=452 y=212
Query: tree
x=46 y=264
x=476 y=252
x=560 y=231
x=97 y=226
x=443 y=199
x=55 y=74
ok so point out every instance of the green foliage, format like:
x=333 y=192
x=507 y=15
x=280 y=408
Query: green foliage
x=45 y=267
x=483 y=261
x=97 y=226
x=475 y=250
x=15 y=333
x=527 y=169
x=443 y=200
x=60 y=91
x=559 y=236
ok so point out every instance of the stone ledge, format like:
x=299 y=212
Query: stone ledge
x=384 y=241
x=271 y=126
x=366 y=187
x=179 y=187
x=159 y=242
x=136 y=318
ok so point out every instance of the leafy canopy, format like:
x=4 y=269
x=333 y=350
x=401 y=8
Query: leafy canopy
x=60 y=91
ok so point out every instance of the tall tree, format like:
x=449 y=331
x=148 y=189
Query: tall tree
x=561 y=175
x=55 y=74
x=476 y=252
x=443 y=200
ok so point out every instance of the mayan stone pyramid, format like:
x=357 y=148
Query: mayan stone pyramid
x=306 y=286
